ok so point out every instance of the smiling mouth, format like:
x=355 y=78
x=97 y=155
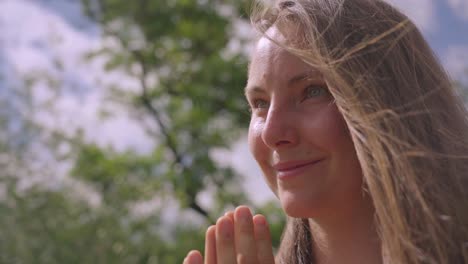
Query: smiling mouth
x=287 y=170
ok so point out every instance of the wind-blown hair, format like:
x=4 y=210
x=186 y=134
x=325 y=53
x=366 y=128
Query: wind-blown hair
x=409 y=127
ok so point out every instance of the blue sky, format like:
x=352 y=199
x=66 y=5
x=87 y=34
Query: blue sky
x=452 y=29
x=444 y=23
x=36 y=34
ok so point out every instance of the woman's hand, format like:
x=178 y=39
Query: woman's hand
x=237 y=238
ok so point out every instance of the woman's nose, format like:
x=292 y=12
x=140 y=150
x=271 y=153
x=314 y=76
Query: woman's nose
x=279 y=130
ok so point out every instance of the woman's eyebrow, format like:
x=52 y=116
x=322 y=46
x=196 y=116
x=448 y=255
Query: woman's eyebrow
x=253 y=89
x=311 y=74
x=304 y=76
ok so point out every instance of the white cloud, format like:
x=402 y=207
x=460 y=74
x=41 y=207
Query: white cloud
x=460 y=7
x=48 y=39
x=421 y=12
x=36 y=34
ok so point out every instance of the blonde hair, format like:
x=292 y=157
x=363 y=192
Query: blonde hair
x=409 y=128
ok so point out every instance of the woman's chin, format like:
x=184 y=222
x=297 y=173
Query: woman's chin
x=298 y=208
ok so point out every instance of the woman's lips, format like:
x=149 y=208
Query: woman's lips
x=289 y=169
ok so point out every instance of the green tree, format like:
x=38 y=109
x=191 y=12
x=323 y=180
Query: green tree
x=189 y=88
x=189 y=99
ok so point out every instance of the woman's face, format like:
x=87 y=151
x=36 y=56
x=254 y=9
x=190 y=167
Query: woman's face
x=298 y=136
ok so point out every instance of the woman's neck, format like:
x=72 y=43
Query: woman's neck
x=347 y=235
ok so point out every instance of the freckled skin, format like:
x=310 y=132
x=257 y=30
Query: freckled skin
x=294 y=128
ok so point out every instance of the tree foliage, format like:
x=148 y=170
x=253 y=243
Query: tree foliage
x=189 y=99
x=189 y=88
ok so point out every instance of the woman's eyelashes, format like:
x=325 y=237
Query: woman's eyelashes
x=315 y=91
x=258 y=104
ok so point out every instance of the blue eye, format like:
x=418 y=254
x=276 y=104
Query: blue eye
x=315 y=91
x=259 y=103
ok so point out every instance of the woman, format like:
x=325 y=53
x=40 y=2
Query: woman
x=359 y=134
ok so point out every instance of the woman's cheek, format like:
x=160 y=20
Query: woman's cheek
x=255 y=138
x=261 y=152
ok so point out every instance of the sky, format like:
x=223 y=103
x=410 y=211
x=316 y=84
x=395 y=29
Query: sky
x=444 y=23
x=51 y=37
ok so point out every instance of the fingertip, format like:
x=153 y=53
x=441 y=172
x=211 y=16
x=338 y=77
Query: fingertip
x=225 y=247
x=211 y=232
x=224 y=219
x=261 y=229
x=210 y=245
x=194 y=257
x=230 y=214
x=259 y=220
x=263 y=238
x=224 y=228
x=243 y=207
x=242 y=212
x=194 y=252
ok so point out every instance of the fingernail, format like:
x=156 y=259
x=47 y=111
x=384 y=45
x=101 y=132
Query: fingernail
x=194 y=258
x=226 y=227
x=260 y=220
x=244 y=213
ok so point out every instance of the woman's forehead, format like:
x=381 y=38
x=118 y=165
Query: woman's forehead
x=272 y=61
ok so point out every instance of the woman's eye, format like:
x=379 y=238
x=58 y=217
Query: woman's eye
x=315 y=91
x=259 y=103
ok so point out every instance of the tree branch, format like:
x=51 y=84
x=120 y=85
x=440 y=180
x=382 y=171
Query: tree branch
x=178 y=157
